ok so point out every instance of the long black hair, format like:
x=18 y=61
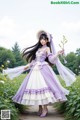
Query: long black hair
x=30 y=52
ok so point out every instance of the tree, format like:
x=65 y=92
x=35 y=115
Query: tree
x=71 y=58
x=78 y=52
x=17 y=55
x=7 y=58
x=77 y=62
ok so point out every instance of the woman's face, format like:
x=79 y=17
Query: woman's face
x=43 y=42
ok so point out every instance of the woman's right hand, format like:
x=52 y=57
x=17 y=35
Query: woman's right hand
x=26 y=68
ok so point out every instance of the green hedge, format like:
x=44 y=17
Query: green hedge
x=7 y=90
x=71 y=108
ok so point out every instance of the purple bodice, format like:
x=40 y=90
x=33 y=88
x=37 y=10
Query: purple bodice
x=41 y=55
x=40 y=58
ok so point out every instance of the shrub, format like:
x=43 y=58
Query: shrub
x=7 y=91
x=71 y=108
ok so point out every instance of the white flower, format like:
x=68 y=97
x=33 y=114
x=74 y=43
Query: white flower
x=1 y=81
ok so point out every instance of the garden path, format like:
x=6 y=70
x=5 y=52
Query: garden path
x=31 y=114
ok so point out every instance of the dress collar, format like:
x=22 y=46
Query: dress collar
x=42 y=48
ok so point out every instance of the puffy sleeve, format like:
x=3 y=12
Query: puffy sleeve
x=51 y=57
x=14 y=72
x=66 y=74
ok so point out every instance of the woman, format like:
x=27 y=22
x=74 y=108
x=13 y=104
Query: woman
x=41 y=86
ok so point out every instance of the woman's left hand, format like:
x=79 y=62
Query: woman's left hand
x=61 y=52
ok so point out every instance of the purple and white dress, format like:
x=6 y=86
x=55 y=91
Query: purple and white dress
x=41 y=86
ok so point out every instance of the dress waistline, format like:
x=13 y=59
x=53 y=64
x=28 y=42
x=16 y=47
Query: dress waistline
x=39 y=64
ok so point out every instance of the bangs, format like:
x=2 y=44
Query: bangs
x=43 y=36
